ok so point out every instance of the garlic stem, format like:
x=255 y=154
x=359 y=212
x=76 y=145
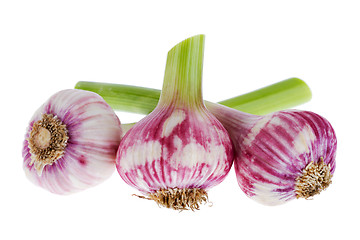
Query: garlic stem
x=123 y=97
x=281 y=95
x=183 y=73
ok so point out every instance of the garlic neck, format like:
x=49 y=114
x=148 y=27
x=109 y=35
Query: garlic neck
x=183 y=74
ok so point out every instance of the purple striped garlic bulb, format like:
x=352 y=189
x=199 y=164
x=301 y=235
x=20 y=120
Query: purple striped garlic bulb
x=280 y=156
x=180 y=150
x=71 y=142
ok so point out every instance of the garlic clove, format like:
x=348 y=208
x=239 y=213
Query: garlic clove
x=71 y=142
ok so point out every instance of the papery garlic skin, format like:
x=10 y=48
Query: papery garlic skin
x=273 y=151
x=175 y=149
x=94 y=134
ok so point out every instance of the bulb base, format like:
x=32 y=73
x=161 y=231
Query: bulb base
x=179 y=199
x=315 y=178
x=47 y=141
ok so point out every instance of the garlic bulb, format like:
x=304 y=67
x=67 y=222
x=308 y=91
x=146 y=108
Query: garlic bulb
x=280 y=156
x=180 y=150
x=71 y=142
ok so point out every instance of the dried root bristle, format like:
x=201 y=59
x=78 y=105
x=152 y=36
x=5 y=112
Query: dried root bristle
x=47 y=141
x=179 y=199
x=315 y=178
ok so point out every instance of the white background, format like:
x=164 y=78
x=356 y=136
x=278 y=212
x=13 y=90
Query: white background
x=47 y=46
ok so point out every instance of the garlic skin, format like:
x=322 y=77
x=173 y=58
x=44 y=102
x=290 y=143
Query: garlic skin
x=280 y=156
x=71 y=142
x=180 y=150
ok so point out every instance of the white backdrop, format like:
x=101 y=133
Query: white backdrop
x=47 y=46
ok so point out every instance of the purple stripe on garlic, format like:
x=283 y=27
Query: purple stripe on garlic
x=71 y=142
x=280 y=156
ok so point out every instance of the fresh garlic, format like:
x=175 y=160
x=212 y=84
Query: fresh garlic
x=280 y=156
x=71 y=142
x=180 y=150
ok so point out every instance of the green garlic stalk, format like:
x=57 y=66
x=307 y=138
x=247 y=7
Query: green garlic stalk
x=281 y=95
